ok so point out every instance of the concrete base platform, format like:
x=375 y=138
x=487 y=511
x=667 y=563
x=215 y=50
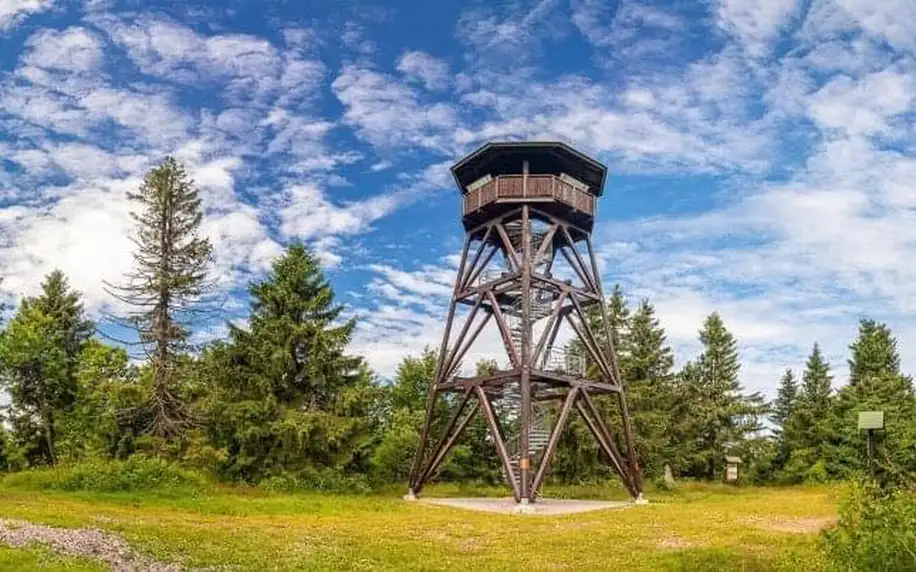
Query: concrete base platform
x=542 y=506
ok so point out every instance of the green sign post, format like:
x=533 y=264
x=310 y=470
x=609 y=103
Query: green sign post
x=871 y=421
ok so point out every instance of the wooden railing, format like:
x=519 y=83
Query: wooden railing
x=512 y=188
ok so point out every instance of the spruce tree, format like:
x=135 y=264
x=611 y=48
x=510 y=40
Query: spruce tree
x=816 y=392
x=786 y=396
x=875 y=384
x=647 y=371
x=723 y=419
x=806 y=432
x=39 y=354
x=287 y=396
x=165 y=288
x=781 y=411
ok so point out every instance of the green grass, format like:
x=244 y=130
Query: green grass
x=697 y=527
x=43 y=559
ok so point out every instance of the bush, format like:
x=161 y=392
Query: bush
x=328 y=480
x=876 y=531
x=135 y=474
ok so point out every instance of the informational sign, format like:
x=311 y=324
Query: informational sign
x=871 y=420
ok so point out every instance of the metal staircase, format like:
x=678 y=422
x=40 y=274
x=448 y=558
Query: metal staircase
x=540 y=428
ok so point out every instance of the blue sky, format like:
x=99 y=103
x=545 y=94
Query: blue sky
x=761 y=152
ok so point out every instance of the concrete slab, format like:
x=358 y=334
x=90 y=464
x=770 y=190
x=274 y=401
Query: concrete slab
x=542 y=506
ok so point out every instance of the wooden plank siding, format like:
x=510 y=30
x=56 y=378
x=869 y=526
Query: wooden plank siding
x=512 y=188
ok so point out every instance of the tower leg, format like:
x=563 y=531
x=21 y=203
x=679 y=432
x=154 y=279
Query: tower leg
x=633 y=465
x=524 y=462
x=440 y=362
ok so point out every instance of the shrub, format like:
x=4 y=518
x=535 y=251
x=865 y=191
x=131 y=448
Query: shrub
x=876 y=531
x=328 y=480
x=134 y=474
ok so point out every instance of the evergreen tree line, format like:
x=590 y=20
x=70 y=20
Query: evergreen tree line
x=282 y=400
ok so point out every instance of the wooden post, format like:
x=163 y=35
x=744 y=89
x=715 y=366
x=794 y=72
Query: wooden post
x=524 y=462
x=431 y=397
x=497 y=435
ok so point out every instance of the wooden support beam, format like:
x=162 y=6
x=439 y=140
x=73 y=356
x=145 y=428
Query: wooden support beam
x=449 y=436
x=465 y=277
x=504 y=331
x=613 y=376
x=524 y=463
x=596 y=355
x=458 y=342
x=609 y=437
x=557 y=286
x=497 y=436
x=472 y=277
x=554 y=439
x=511 y=255
x=612 y=356
x=550 y=330
x=608 y=448
x=431 y=396
x=456 y=360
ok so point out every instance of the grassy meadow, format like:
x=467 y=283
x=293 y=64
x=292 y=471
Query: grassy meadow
x=697 y=527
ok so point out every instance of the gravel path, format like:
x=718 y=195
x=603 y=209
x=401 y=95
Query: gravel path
x=88 y=542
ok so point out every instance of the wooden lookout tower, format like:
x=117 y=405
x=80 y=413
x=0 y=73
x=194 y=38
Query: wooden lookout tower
x=528 y=271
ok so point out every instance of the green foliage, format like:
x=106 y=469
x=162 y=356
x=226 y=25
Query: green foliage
x=647 y=366
x=876 y=531
x=325 y=480
x=875 y=383
x=404 y=408
x=806 y=432
x=712 y=415
x=39 y=352
x=134 y=474
x=282 y=394
x=103 y=422
x=786 y=396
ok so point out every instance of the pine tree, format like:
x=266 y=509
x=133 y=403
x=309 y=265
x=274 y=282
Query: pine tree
x=287 y=396
x=786 y=396
x=166 y=286
x=39 y=354
x=806 y=433
x=647 y=371
x=722 y=419
x=781 y=411
x=875 y=383
x=816 y=393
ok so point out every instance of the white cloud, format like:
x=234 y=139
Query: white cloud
x=756 y=24
x=308 y=213
x=430 y=71
x=70 y=50
x=388 y=113
x=12 y=12
x=893 y=21
x=864 y=105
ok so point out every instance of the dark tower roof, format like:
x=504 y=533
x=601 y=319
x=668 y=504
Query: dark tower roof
x=547 y=157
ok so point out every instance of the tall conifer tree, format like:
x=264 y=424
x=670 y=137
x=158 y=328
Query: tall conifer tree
x=647 y=371
x=782 y=410
x=806 y=434
x=875 y=384
x=167 y=283
x=721 y=418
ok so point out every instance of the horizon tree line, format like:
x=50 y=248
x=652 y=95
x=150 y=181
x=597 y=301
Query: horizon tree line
x=281 y=400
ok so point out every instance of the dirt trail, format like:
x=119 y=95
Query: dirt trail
x=87 y=542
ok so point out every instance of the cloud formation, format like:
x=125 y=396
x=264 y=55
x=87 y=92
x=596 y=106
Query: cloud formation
x=761 y=153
